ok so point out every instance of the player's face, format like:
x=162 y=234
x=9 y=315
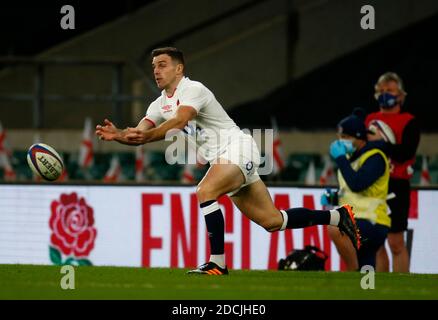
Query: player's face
x=165 y=71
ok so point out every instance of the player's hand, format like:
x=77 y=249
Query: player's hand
x=337 y=149
x=107 y=131
x=136 y=135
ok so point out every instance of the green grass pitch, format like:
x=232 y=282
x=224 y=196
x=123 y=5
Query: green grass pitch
x=43 y=282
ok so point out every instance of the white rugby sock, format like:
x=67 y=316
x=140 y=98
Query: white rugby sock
x=285 y=219
x=219 y=259
x=334 y=218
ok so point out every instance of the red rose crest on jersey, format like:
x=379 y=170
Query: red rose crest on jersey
x=167 y=108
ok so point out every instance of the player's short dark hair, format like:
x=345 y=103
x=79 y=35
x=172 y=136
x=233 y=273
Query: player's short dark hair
x=174 y=53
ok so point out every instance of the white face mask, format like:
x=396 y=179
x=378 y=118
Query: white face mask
x=348 y=145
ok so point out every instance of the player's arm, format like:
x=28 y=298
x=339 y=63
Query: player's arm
x=182 y=116
x=109 y=132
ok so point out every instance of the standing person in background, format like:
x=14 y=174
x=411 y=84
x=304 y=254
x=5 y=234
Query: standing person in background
x=390 y=94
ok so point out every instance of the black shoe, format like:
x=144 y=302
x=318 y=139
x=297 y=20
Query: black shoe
x=347 y=225
x=209 y=268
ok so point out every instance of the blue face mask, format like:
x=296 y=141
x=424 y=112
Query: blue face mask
x=387 y=100
x=348 y=145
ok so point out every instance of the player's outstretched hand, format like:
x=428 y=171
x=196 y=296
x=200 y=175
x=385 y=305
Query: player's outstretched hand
x=107 y=131
x=135 y=135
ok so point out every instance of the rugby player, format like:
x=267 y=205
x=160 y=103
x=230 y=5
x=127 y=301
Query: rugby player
x=233 y=156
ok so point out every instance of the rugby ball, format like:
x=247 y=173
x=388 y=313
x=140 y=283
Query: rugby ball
x=45 y=161
x=384 y=130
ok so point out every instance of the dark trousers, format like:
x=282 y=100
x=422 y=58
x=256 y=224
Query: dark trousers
x=374 y=236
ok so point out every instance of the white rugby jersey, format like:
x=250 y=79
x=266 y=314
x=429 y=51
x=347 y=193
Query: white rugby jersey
x=212 y=128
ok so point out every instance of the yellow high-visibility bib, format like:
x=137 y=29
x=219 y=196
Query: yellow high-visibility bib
x=370 y=203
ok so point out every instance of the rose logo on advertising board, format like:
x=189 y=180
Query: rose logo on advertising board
x=73 y=231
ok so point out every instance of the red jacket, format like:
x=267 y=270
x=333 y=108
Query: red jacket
x=397 y=122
